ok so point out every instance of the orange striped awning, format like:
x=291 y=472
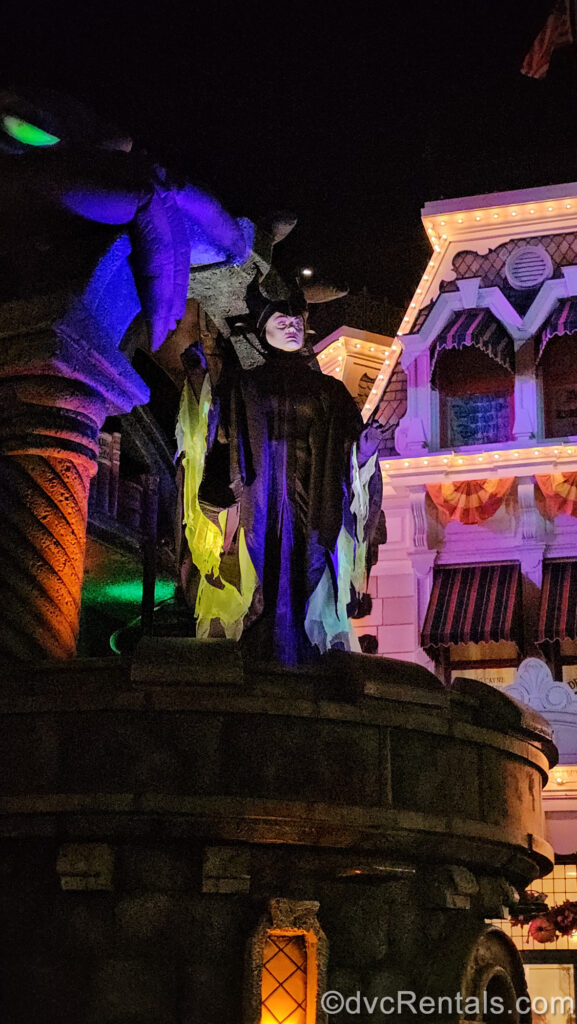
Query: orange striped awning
x=473 y=604
x=558 y=611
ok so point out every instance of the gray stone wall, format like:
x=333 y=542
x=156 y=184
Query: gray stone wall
x=150 y=811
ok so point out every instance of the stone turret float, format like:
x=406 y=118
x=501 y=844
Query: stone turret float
x=193 y=831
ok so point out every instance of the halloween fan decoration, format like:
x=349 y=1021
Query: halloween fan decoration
x=545 y=924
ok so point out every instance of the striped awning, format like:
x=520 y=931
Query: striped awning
x=563 y=320
x=472 y=604
x=558 y=612
x=477 y=327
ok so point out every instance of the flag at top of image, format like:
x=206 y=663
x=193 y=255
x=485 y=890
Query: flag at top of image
x=558 y=31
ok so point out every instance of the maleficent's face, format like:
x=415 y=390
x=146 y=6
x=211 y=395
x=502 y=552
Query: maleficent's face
x=285 y=332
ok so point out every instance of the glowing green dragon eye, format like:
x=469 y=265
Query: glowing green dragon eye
x=27 y=133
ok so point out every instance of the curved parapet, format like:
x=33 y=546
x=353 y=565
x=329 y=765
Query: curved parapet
x=361 y=754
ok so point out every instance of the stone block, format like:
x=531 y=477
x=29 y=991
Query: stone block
x=355 y=919
x=221 y=291
x=226 y=869
x=495 y=896
x=149 y=916
x=30 y=753
x=143 y=991
x=285 y=913
x=131 y=752
x=418 y=763
x=398 y=610
x=375 y=617
x=511 y=793
x=82 y=866
x=206 y=998
x=172 y=868
x=169 y=660
x=49 y=993
x=396 y=584
x=398 y=641
x=301 y=759
x=452 y=886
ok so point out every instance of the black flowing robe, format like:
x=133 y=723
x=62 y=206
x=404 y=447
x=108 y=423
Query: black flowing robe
x=290 y=432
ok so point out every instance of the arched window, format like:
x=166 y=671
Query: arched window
x=472 y=369
x=286 y=969
x=475 y=399
x=285 y=988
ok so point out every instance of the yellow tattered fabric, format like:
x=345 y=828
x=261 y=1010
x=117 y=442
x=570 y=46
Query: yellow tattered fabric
x=560 y=492
x=470 y=501
x=216 y=597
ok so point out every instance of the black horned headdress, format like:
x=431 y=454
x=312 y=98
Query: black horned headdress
x=261 y=307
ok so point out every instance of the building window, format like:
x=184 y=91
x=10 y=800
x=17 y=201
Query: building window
x=492 y=663
x=472 y=368
x=559 y=382
x=286 y=969
x=474 y=620
x=558 y=886
x=284 y=979
x=557 y=633
x=551 y=989
x=550 y=967
x=475 y=399
x=561 y=658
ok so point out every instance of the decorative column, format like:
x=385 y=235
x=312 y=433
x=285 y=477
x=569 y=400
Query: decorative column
x=531 y=540
x=423 y=560
x=54 y=396
x=413 y=434
x=526 y=426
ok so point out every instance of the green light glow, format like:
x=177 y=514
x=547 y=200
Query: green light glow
x=130 y=591
x=27 y=133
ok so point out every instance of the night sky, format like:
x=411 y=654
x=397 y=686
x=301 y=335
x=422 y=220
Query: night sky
x=350 y=115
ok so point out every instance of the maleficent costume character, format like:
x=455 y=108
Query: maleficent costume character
x=284 y=450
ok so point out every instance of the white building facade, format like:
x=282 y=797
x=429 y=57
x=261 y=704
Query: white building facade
x=477 y=395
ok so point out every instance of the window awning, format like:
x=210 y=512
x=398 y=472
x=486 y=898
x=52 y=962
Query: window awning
x=472 y=604
x=562 y=320
x=477 y=327
x=558 y=611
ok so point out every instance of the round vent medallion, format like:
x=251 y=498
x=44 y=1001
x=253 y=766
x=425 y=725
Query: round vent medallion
x=528 y=267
